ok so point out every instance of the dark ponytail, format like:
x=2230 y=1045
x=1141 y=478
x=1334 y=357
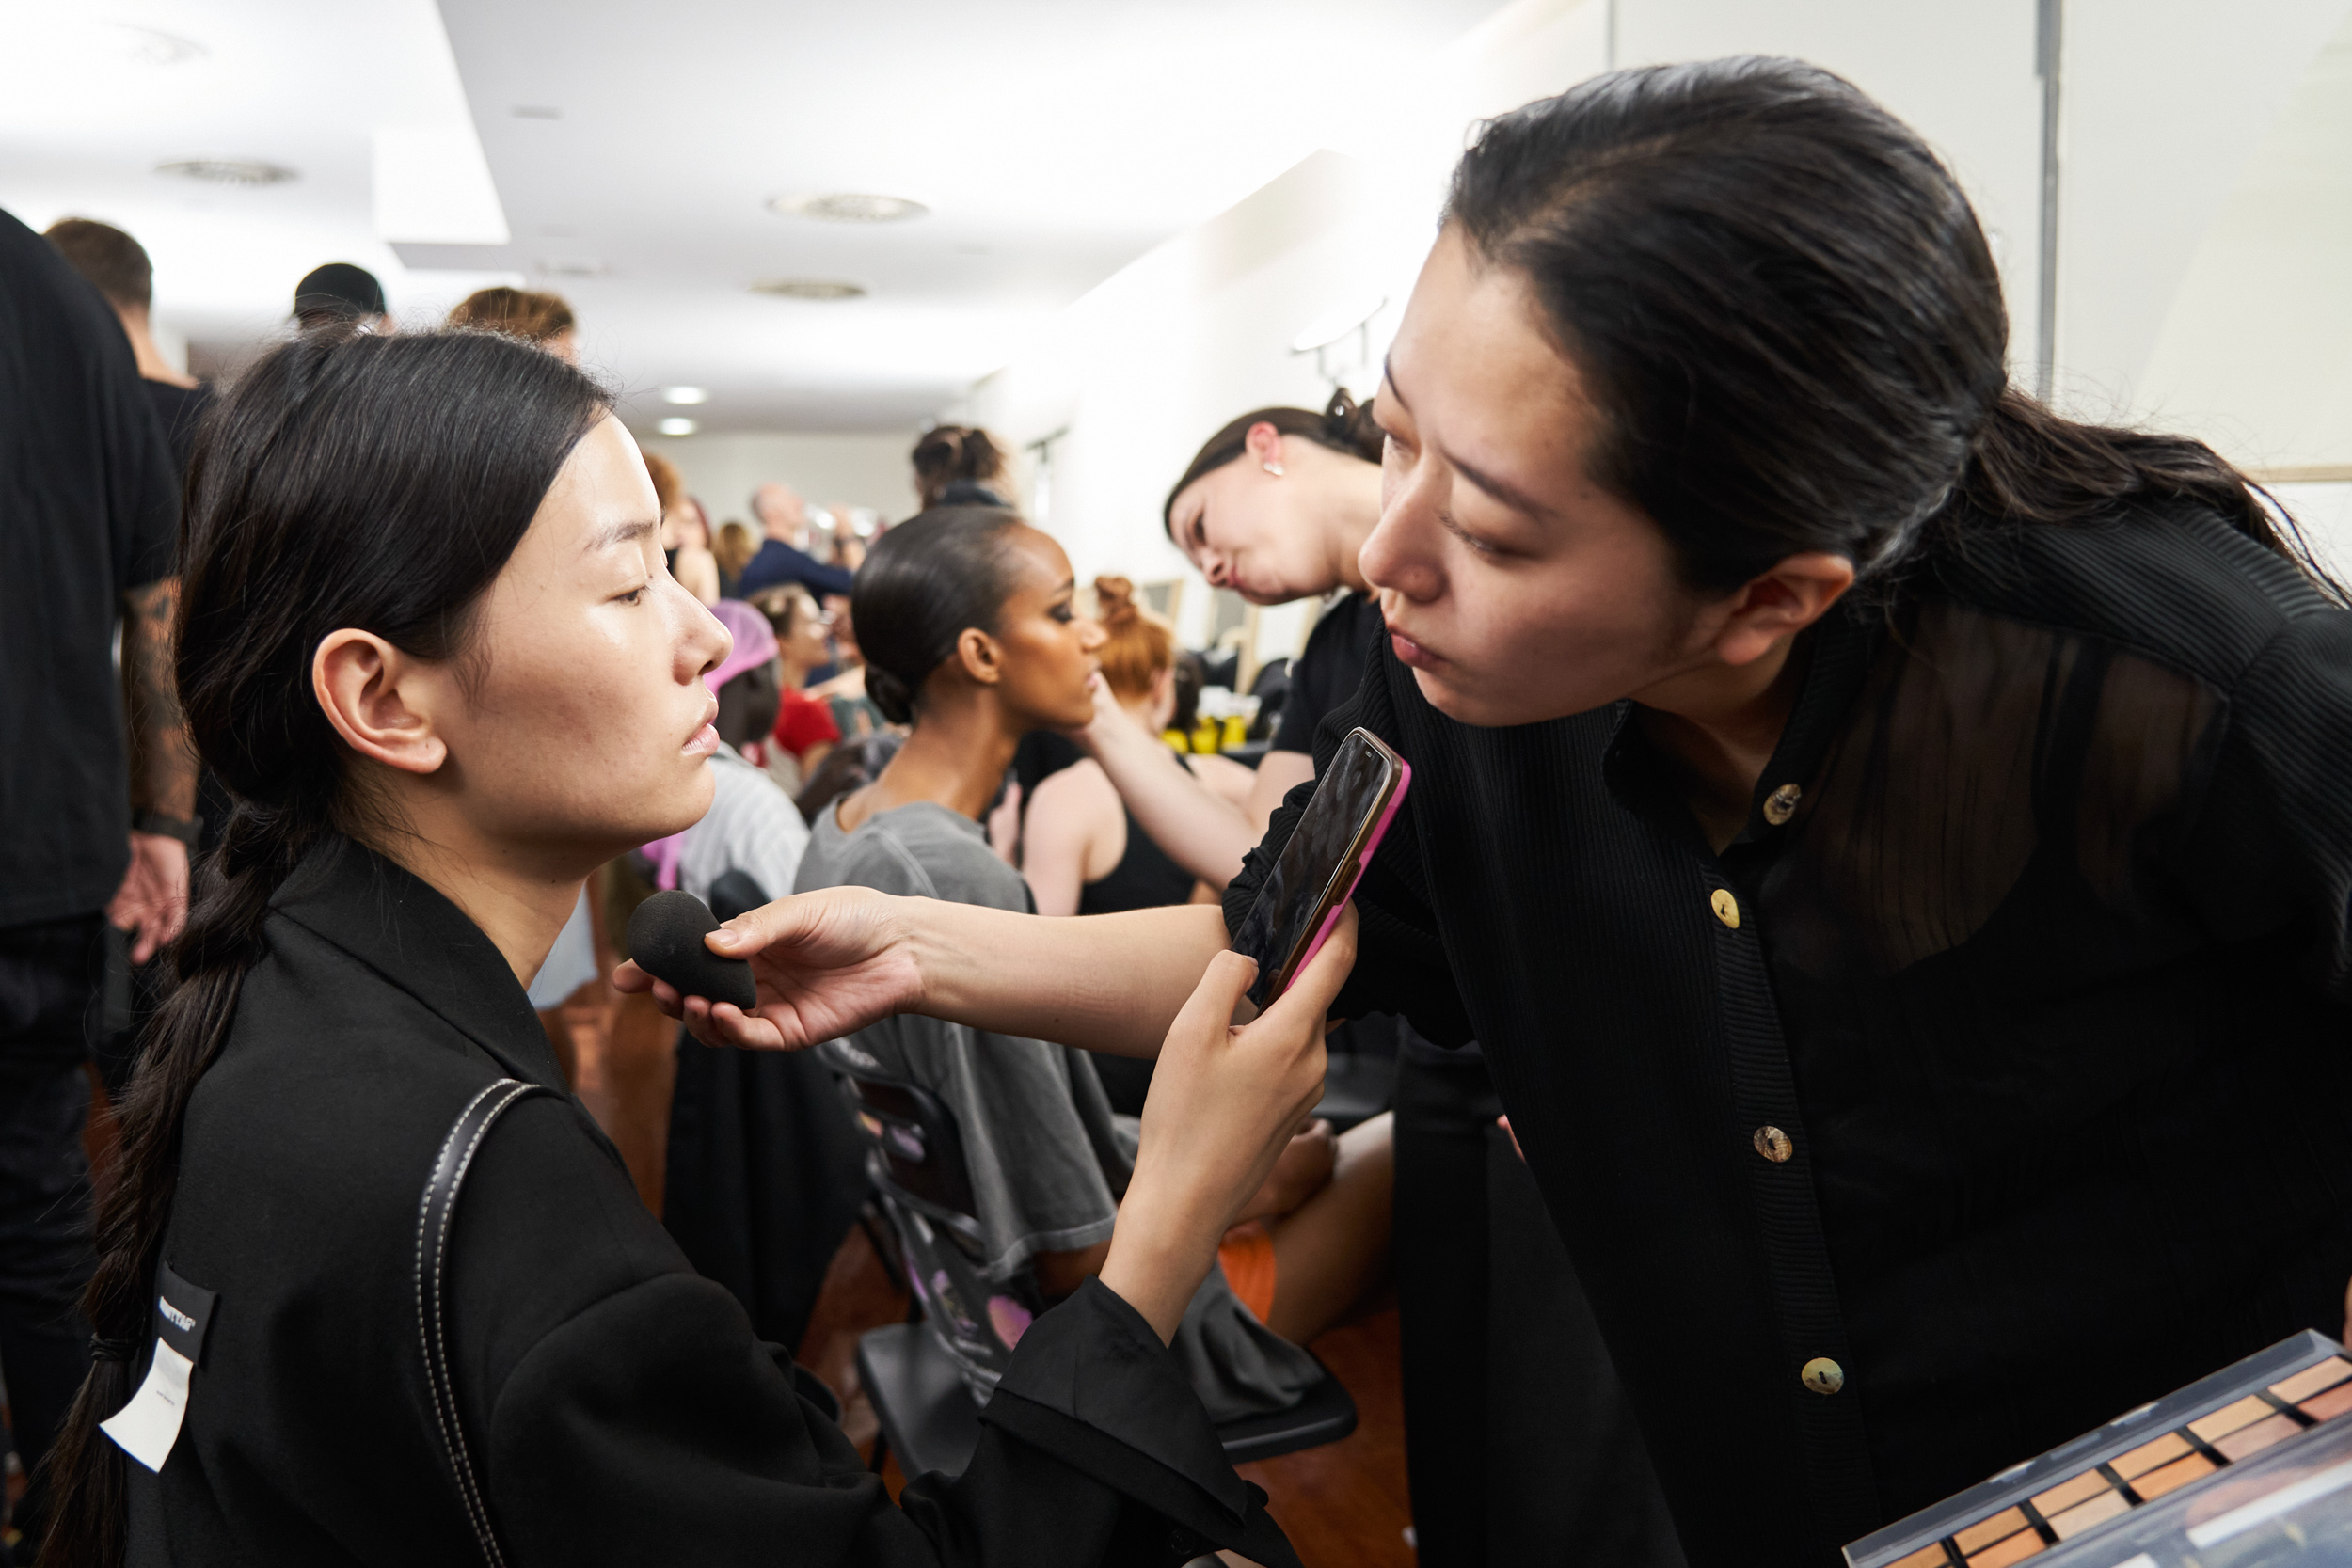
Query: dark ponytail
x=1791 y=324
x=1345 y=426
x=345 y=480
x=923 y=583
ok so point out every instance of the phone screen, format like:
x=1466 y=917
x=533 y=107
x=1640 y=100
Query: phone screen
x=1318 y=868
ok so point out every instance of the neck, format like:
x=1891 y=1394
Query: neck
x=518 y=898
x=795 y=671
x=1717 y=728
x=153 y=365
x=1351 y=508
x=956 y=757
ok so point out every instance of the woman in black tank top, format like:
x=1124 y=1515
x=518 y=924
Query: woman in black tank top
x=1082 y=850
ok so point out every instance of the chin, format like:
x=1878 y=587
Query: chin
x=1466 y=708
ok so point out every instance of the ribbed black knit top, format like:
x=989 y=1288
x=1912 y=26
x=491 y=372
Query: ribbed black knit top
x=1997 y=1079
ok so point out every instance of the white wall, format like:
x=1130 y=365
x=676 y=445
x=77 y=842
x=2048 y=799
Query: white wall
x=827 y=468
x=1151 y=363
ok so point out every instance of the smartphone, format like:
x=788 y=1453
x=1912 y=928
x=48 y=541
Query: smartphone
x=1353 y=802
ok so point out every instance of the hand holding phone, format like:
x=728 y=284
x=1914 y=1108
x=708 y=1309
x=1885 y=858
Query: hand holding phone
x=1354 y=801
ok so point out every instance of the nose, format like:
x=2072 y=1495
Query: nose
x=706 y=643
x=1402 y=553
x=1212 y=568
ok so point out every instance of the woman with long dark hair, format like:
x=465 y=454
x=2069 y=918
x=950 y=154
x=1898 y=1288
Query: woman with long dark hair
x=1889 y=840
x=428 y=645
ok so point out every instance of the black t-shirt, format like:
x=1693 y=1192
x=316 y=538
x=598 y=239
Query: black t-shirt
x=88 y=504
x=180 y=409
x=1328 y=672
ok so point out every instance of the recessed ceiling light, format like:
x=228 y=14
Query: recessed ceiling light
x=685 y=394
x=537 y=111
x=228 y=171
x=809 y=288
x=574 y=267
x=848 y=207
x=677 y=424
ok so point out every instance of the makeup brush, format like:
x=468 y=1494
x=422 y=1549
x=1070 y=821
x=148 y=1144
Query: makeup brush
x=665 y=936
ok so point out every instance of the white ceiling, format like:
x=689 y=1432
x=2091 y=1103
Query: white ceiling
x=1052 y=140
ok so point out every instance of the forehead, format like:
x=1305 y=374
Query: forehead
x=1039 y=563
x=602 y=485
x=1476 y=363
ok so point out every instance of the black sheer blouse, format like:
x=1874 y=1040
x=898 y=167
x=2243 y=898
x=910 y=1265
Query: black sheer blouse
x=1993 y=1080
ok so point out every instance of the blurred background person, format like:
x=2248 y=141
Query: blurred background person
x=958 y=465
x=342 y=292
x=117 y=265
x=96 y=832
x=732 y=552
x=685 y=537
x=804 y=729
x=542 y=319
x=783 y=552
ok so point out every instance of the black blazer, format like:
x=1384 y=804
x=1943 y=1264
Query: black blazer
x=619 y=1405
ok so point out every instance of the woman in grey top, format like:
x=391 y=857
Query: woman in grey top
x=967 y=619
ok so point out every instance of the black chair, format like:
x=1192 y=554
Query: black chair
x=928 y=1379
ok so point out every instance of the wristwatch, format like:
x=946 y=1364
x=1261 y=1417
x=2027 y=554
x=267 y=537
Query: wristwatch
x=183 y=829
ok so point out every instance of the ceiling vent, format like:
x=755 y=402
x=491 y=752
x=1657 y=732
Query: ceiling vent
x=809 y=288
x=848 y=207
x=228 y=171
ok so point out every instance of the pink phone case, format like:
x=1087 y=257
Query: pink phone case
x=1364 y=863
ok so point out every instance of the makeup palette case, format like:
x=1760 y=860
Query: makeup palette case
x=2248 y=1467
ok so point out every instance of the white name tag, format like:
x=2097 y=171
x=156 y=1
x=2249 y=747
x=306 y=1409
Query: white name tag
x=148 y=1426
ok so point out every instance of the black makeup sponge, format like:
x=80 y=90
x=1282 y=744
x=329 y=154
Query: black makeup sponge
x=665 y=936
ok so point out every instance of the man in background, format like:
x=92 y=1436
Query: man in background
x=342 y=292
x=783 y=557
x=92 y=831
x=116 y=266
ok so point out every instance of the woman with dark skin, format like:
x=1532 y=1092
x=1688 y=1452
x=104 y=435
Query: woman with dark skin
x=1887 y=839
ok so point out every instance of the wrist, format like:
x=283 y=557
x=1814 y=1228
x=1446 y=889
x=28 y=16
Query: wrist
x=1156 y=1264
x=157 y=824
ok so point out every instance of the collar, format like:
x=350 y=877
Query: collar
x=398 y=926
x=1837 y=661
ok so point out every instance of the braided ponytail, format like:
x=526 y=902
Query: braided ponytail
x=345 y=480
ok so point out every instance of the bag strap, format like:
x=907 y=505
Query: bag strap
x=433 y=1216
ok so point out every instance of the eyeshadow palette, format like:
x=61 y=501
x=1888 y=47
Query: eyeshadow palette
x=2209 y=1429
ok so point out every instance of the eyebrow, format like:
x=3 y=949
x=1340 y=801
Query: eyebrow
x=618 y=533
x=1508 y=494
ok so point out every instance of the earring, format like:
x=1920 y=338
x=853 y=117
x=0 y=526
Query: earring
x=1273 y=469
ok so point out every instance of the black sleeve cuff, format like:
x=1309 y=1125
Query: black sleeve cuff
x=1092 y=1385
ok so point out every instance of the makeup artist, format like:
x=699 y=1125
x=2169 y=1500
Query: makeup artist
x=1893 y=842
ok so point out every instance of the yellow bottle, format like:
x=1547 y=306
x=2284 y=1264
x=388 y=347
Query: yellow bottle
x=1204 y=736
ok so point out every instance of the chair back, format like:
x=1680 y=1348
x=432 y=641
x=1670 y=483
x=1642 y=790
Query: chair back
x=915 y=1157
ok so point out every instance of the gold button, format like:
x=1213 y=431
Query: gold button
x=1781 y=804
x=1726 y=907
x=1774 y=1144
x=1822 y=1375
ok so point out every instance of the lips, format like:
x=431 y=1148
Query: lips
x=1412 y=652
x=704 y=740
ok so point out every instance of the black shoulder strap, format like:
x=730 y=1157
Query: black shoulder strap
x=433 y=1216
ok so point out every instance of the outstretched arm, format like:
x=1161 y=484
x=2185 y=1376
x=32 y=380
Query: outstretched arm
x=1200 y=830
x=834 y=961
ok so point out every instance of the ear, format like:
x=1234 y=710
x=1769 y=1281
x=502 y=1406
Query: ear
x=376 y=698
x=981 y=657
x=1265 y=443
x=1781 y=603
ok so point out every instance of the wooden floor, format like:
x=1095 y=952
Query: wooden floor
x=1344 y=1505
